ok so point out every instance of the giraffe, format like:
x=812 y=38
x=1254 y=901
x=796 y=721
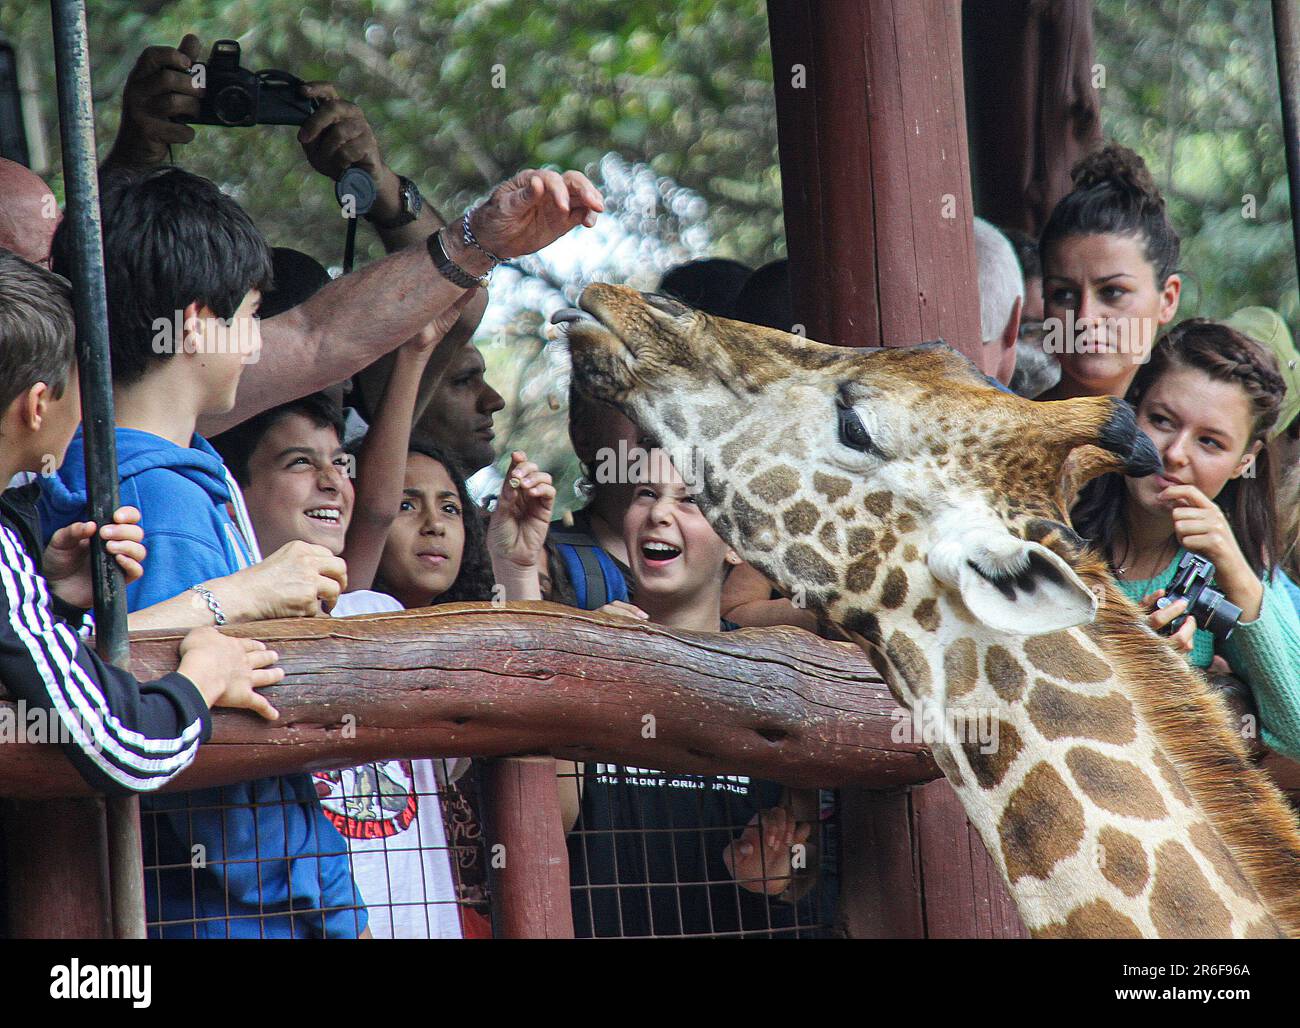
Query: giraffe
x=923 y=512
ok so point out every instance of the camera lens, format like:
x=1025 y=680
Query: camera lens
x=1215 y=614
x=234 y=106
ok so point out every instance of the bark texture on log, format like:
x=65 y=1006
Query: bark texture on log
x=537 y=678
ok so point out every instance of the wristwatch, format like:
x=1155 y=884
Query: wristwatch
x=448 y=268
x=411 y=203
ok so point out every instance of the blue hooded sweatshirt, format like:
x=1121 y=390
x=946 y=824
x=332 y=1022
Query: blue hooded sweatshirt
x=261 y=851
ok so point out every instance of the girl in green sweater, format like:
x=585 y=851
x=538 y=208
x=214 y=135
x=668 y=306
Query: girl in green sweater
x=1207 y=399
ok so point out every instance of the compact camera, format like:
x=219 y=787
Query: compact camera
x=1206 y=606
x=237 y=97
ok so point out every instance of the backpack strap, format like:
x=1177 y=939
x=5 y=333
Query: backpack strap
x=596 y=579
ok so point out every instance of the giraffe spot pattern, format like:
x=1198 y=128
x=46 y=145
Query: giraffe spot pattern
x=1115 y=785
x=829 y=537
x=1095 y=919
x=859 y=575
x=990 y=768
x=1004 y=673
x=1182 y=904
x=1059 y=713
x=948 y=766
x=927 y=614
x=906 y=523
x=894 y=590
x=860 y=538
x=888 y=541
x=775 y=484
x=1059 y=654
x=961 y=667
x=756 y=521
x=831 y=486
x=879 y=504
x=910 y=662
x=1041 y=825
x=673 y=419
x=807 y=566
x=910 y=553
x=1123 y=861
x=801 y=518
x=1204 y=839
x=1172 y=779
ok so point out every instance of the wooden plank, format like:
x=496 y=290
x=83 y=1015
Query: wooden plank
x=964 y=895
x=56 y=867
x=880 y=894
x=871 y=145
x=527 y=858
x=476 y=680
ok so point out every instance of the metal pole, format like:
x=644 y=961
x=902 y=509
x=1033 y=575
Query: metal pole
x=1286 y=36
x=81 y=184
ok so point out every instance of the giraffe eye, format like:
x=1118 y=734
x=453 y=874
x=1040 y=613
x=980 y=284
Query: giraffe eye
x=853 y=433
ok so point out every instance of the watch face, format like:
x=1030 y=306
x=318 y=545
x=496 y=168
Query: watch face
x=412 y=201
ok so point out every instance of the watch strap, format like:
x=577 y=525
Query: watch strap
x=448 y=268
x=411 y=204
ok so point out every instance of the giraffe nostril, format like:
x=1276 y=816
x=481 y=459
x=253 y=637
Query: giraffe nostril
x=773 y=734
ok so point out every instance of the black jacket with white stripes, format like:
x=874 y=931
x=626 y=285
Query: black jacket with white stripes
x=122 y=734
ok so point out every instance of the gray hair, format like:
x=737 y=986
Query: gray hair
x=37 y=333
x=1001 y=281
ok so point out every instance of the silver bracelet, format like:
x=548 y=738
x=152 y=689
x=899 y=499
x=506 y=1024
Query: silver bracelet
x=213 y=603
x=467 y=234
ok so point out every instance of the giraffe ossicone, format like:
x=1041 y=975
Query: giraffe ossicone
x=924 y=512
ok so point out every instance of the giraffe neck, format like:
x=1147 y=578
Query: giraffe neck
x=1091 y=785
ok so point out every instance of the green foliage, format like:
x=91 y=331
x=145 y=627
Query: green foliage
x=463 y=92
x=1192 y=86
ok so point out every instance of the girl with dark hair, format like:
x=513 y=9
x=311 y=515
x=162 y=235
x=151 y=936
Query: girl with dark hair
x=1109 y=256
x=1207 y=398
x=436 y=550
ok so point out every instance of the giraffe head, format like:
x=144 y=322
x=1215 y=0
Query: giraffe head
x=868 y=482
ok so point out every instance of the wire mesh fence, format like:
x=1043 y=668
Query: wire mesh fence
x=396 y=849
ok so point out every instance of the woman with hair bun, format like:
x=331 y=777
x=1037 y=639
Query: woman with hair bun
x=1208 y=398
x=1109 y=257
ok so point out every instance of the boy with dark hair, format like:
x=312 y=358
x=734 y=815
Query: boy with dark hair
x=184 y=267
x=122 y=735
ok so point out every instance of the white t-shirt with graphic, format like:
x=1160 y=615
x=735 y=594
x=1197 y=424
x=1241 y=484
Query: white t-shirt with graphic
x=390 y=815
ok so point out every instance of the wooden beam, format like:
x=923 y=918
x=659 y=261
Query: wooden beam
x=1033 y=108
x=534 y=678
x=874 y=175
x=528 y=861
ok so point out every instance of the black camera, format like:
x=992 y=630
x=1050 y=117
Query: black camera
x=236 y=97
x=1206 y=606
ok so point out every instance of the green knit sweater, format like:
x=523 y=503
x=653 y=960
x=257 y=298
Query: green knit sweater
x=1264 y=653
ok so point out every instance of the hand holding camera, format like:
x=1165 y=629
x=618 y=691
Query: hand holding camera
x=1190 y=599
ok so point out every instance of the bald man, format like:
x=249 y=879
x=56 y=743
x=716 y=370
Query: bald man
x=29 y=214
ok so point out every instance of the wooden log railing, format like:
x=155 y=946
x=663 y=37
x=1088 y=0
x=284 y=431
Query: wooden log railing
x=536 y=678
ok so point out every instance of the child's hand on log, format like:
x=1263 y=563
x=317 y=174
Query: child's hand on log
x=624 y=610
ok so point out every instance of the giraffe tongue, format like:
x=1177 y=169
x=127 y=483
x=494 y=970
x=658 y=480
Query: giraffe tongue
x=567 y=314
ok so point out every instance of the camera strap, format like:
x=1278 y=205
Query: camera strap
x=355 y=191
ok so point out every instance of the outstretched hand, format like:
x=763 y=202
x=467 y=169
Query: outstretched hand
x=533 y=210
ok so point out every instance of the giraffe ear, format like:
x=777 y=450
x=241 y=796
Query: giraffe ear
x=1012 y=585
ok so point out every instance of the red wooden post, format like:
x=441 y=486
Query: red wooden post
x=1033 y=108
x=57 y=869
x=875 y=179
x=527 y=857
x=875 y=176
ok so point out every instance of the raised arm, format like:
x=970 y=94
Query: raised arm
x=381 y=463
x=358 y=318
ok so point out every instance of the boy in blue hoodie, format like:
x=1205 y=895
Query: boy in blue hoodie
x=184 y=267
